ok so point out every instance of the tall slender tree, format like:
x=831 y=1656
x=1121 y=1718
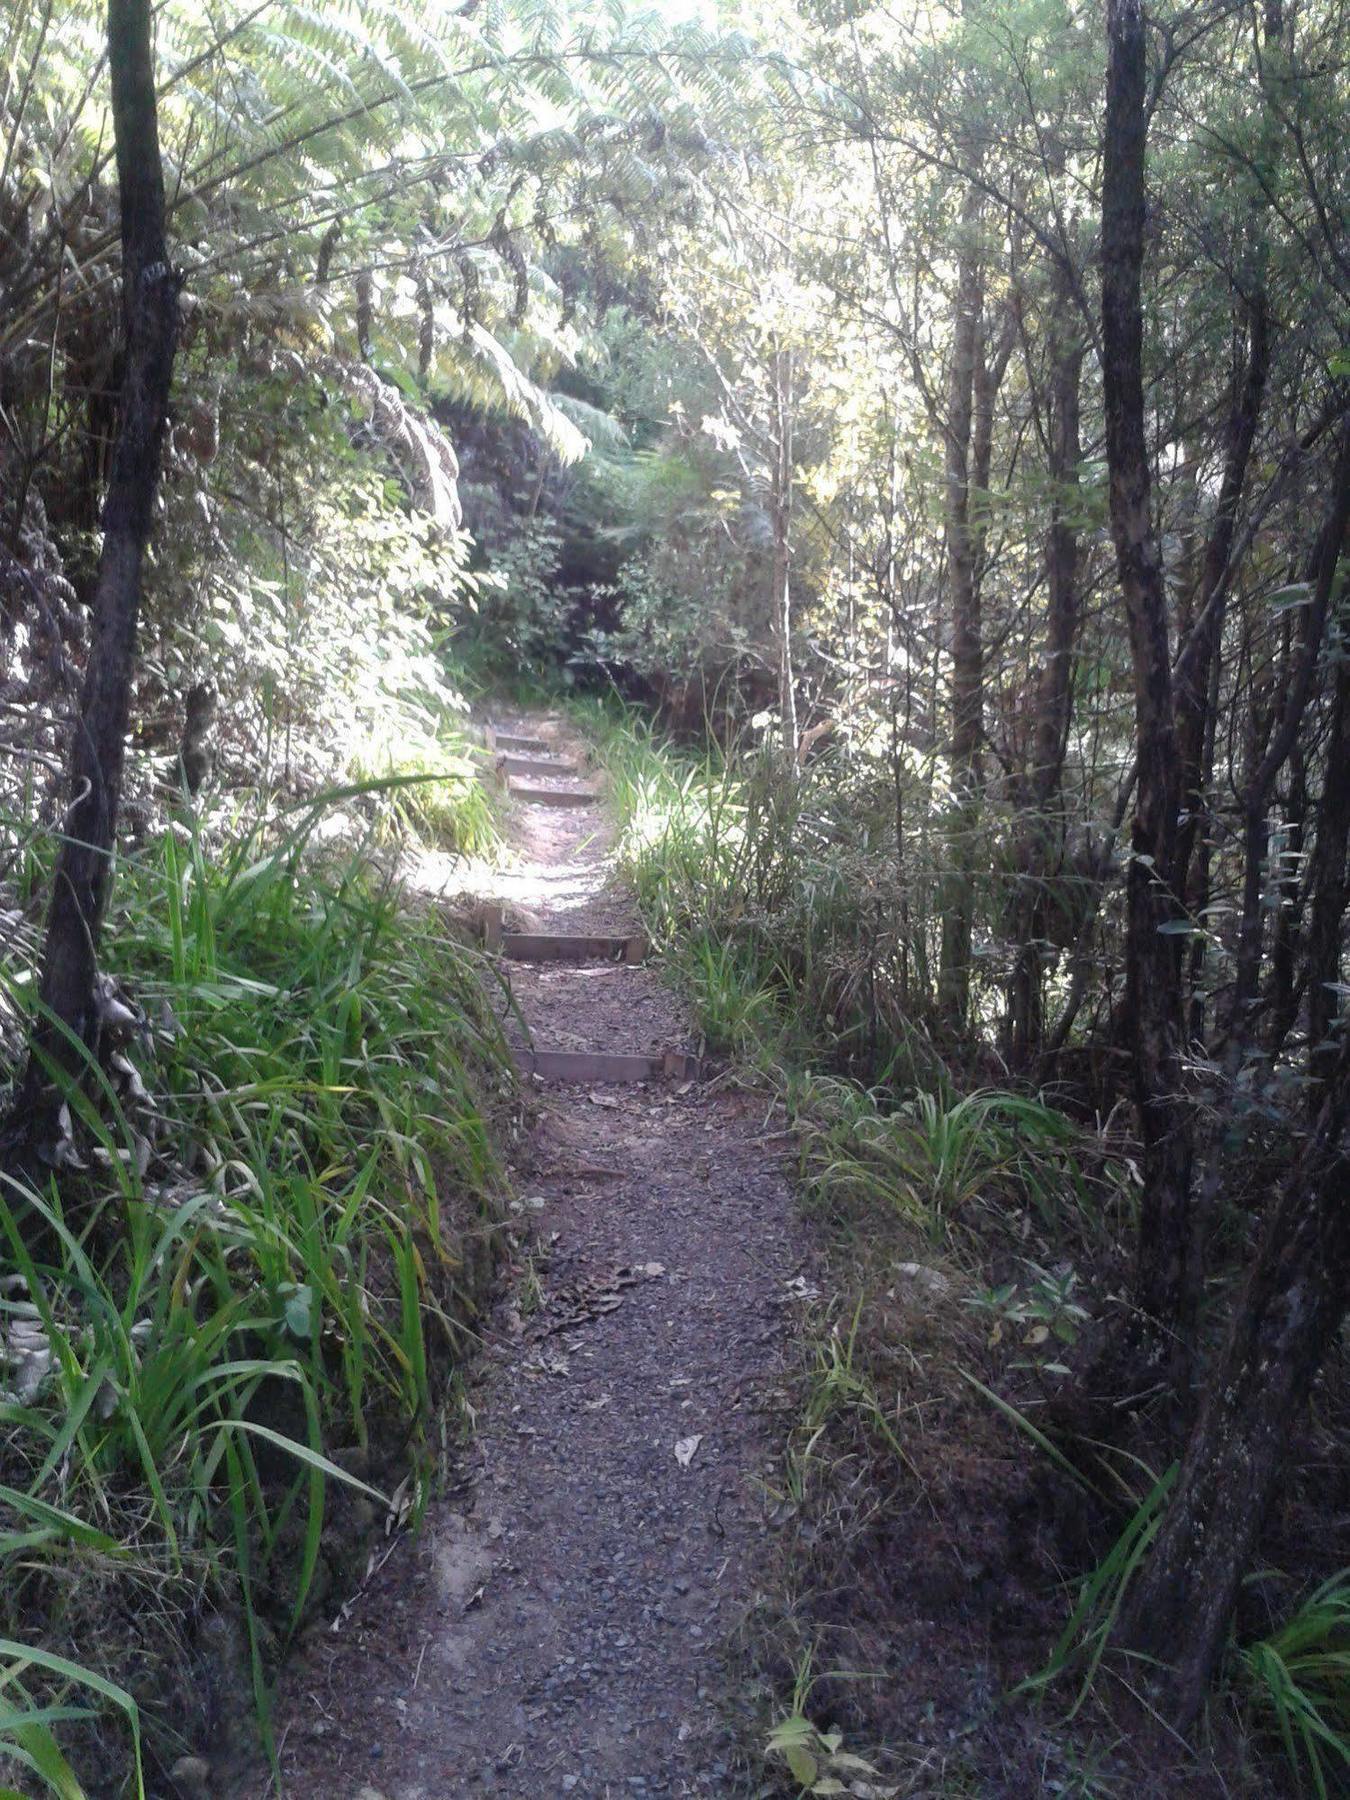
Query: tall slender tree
x=1166 y=1275
x=69 y=1021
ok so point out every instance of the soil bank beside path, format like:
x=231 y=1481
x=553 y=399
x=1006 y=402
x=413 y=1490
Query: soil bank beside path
x=559 y=1626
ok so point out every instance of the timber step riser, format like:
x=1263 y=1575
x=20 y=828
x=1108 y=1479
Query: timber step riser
x=534 y=765
x=512 y=745
x=537 y=796
x=593 y=1065
x=538 y=947
x=559 y=946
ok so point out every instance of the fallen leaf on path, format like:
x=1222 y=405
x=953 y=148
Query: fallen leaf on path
x=400 y=1505
x=595 y=1405
x=602 y=1100
x=686 y=1449
x=594 y=1295
x=802 y=1289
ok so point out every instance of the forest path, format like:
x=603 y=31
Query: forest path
x=559 y=1626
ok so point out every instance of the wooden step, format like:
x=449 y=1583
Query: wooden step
x=571 y=947
x=596 y=1065
x=542 y=796
x=513 y=743
x=534 y=765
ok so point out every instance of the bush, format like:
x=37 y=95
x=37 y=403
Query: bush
x=235 y=1329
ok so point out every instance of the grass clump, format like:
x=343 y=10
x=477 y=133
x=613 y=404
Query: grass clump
x=777 y=920
x=1295 y=1687
x=425 y=780
x=229 y=1340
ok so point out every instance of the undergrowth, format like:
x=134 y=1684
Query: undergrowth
x=941 y=1504
x=226 y=1332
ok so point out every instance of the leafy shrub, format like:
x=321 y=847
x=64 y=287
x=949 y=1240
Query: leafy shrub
x=235 y=1317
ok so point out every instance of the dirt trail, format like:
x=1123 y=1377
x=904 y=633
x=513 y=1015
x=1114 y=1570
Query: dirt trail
x=559 y=1626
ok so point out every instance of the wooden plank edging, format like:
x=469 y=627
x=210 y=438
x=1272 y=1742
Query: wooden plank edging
x=539 y=796
x=596 y=1065
x=511 y=743
x=571 y=947
x=534 y=765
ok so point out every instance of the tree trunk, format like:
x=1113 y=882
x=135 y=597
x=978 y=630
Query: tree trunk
x=67 y=993
x=1327 y=883
x=1043 y=830
x=1197 y=662
x=1282 y=999
x=1166 y=1282
x=781 y=508
x=967 y=640
x=1178 y=1610
x=1297 y=690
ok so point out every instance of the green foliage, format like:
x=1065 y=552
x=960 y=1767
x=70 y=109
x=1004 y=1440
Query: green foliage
x=1087 y=1635
x=736 y=1012
x=816 y=1759
x=732 y=846
x=1043 y=1310
x=250 y=1290
x=1295 y=1686
x=520 y=621
x=673 y=635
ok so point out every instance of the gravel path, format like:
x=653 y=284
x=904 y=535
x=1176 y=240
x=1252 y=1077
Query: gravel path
x=558 y=1628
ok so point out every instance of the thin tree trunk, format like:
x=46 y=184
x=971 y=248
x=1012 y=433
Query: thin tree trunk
x=967 y=640
x=1295 y=1297
x=1282 y=998
x=781 y=507
x=1166 y=1281
x=1178 y=1610
x=1327 y=883
x=1196 y=666
x=1298 y=689
x=68 y=990
x=1043 y=833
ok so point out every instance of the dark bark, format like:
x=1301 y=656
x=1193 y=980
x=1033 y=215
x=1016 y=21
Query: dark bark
x=150 y=312
x=1042 y=836
x=1166 y=1278
x=967 y=643
x=1295 y=1298
x=1327 y=882
x=1283 y=996
x=1289 y=1312
x=780 y=508
x=1296 y=692
x=1197 y=665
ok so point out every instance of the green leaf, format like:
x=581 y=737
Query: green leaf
x=298 y=1310
x=26 y=1656
x=302 y=1453
x=803 y=1765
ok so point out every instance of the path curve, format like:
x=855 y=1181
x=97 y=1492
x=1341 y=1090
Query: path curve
x=559 y=1627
